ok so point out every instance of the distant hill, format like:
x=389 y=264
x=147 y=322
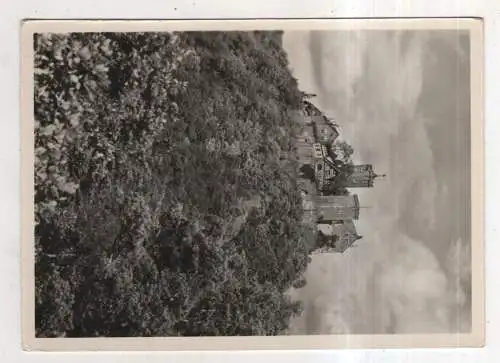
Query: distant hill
x=164 y=205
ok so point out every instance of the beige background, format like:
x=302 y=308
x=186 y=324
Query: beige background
x=337 y=341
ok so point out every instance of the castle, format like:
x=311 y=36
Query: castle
x=362 y=176
x=335 y=214
x=333 y=208
x=337 y=237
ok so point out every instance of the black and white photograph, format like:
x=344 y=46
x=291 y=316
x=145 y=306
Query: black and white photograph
x=276 y=180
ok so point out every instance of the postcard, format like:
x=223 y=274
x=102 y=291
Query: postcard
x=252 y=184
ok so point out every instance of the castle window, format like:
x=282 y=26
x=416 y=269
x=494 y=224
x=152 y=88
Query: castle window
x=319 y=167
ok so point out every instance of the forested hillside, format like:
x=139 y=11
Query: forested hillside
x=165 y=203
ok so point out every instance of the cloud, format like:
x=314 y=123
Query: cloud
x=402 y=289
x=371 y=82
x=458 y=267
x=423 y=296
x=338 y=71
x=413 y=288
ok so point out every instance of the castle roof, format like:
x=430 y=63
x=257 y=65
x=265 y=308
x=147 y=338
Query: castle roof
x=311 y=109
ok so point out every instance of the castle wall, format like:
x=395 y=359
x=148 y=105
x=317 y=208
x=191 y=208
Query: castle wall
x=337 y=208
x=361 y=177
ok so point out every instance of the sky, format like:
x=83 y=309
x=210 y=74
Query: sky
x=401 y=99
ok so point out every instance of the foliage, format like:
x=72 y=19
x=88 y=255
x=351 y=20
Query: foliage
x=54 y=299
x=342 y=151
x=164 y=205
x=337 y=184
x=325 y=241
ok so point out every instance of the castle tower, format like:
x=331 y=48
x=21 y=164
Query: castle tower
x=346 y=241
x=337 y=237
x=362 y=176
x=331 y=208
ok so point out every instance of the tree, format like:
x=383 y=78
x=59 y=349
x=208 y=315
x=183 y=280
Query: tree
x=342 y=151
x=324 y=241
x=139 y=181
x=338 y=184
